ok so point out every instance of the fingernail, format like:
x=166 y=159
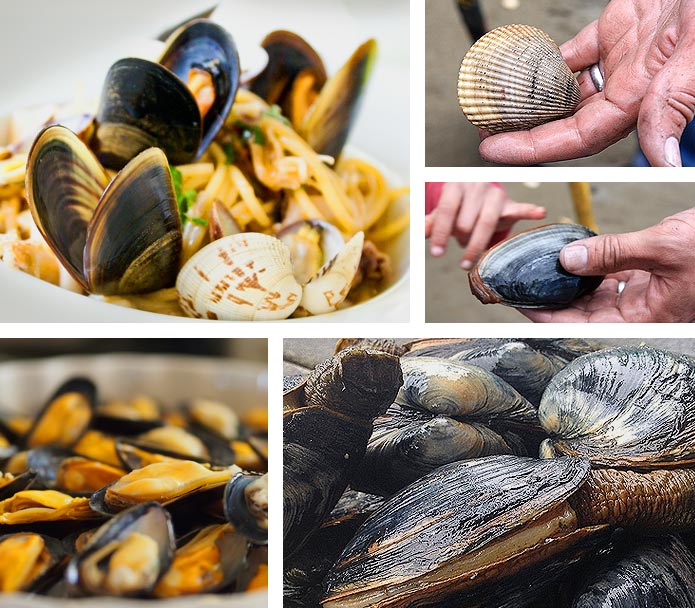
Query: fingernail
x=672 y=153
x=466 y=264
x=574 y=257
x=436 y=250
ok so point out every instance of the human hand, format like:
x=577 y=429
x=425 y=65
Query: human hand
x=472 y=212
x=645 y=51
x=656 y=266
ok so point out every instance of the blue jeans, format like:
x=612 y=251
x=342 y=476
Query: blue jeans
x=687 y=149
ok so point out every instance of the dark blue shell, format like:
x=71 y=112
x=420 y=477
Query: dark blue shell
x=524 y=271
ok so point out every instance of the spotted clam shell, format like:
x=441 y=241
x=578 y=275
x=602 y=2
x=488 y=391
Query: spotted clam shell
x=242 y=277
x=515 y=78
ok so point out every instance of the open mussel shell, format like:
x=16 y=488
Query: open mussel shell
x=294 y=75
x=464 y=525
x=144 y=105
x=28 y=561
x=624 y=407
x=514 y=78
x=205 y=46
x=126 y=556
x=246 y=506
x=242 y=277
x=139 y=206
x=64 y=183
x=326 y=125
x=647 y=573
x=525 y=271
x=65 y=416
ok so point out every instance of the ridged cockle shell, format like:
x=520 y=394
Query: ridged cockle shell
x=515 y=78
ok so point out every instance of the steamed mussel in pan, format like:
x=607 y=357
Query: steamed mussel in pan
x=132 y=498
x=525 y=271
x=593 y=505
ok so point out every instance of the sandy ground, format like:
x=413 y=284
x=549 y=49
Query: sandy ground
x=450 y=139
x=619 y=207
x=303 y=353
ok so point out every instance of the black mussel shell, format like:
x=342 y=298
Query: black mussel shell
x=134 y=238
x=144 y=105
x=525 y=271
x=245 y=509
x=206 y=46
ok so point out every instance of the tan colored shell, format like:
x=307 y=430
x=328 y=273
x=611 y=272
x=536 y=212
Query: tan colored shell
x=242 y=277
x=515 y=78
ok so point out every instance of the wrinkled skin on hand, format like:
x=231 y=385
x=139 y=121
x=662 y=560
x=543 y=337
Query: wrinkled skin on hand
x=657 y=265
x=645 y=49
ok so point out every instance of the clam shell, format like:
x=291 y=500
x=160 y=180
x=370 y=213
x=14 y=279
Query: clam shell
x=241 y=277
x=515 y=78
x=525 y=272
x=623 y=407
x=326 y=290
x=428 y=543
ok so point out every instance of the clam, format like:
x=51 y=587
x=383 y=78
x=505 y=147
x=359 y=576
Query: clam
x=631 y=412
x=114 y=238
x=649 y=573
x=242 y=277
x=445 y=411
x=246 y=506
x=490 y=531
x=321 y=110
x=249 y=276
x=525 y=271
x=327 y=423
x=126 y=556
x=514 y=78
x=28 y=561
x=177 y=104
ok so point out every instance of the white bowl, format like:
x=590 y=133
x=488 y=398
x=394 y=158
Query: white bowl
x=27 y=384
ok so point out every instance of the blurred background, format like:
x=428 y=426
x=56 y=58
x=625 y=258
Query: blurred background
x=450 y=139
x=618 y=207
x=248 y=349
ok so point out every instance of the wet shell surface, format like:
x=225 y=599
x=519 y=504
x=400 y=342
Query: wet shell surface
x=242 y=277
x=623 y=407
x=525 y=271
x=515 y=78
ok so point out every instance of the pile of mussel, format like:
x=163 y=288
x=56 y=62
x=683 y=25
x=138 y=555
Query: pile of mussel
x=490 y=473
x=124 y=498
x=123 y=235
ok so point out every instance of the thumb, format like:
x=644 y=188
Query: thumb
x=668 y=106
x=611 y=253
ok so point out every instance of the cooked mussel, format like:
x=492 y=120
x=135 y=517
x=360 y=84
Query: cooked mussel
x=476 y=532
x=321 y=110
x=32 y=507
x=114 y=238
x=525 y=271
x=28 y=561
x=126 y=556
x=246 y=506
x=177 y=104
x=327 y=423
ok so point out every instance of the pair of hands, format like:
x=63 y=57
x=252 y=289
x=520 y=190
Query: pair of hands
x=645 y=50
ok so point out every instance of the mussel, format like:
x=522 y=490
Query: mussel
x=525 y=271
x=321 y=110
x=327 y=423
x=28 y=561
x=246 y=506
x=514 y=78
x=487 y=531
x=177 y=104
x=126 y=556
x=113 y=238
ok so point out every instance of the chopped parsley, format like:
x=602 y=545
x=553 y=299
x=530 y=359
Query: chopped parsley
x=184 y=198
x=249 y=132
x=276 y=112
x=229 y=152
